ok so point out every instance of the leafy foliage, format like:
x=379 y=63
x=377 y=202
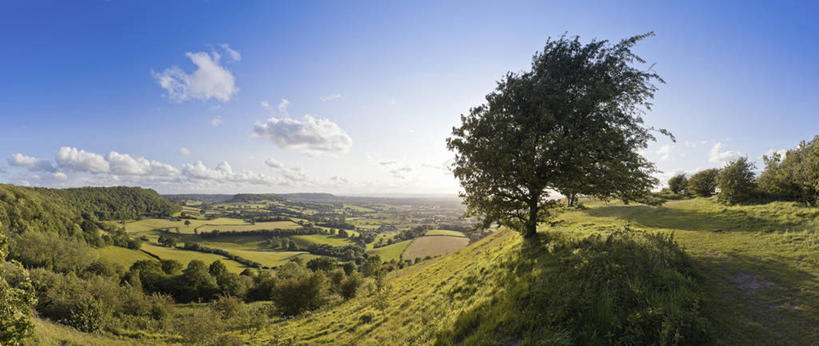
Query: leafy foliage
x=795 y=176
x=16 y=300
x=703 y=183
x=736 y=182
x=678 y=183
x=573 y=123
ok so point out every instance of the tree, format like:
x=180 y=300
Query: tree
x=677 y=183
x=572 y=124
x=703 y=183
x=795 y=176
x=736 y=182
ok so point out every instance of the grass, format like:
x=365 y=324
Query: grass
x=145 y=226
x=445 y=232
x=309 y=239
x=122 y=256
x=434 y=246
x=392 y=251
x=49 y=333
x=248 y=227
x=761 y=262
x=185 y=256
x=758 y=274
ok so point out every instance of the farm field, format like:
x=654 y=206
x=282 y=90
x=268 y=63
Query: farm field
x=146 y=225
x=185 y=256
x=309 y=239
x=122 y=256
x=445 y=232
x=436 y=245
x=392 y=251
x=247 y=227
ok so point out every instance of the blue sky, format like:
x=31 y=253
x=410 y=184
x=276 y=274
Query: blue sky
x=372 y=88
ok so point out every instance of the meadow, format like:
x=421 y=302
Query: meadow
x=434 y=245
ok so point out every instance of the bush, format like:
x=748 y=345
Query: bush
x=703 y=183
x=349 y=287
x=736 y=182
x=298 y=289
x=678 y=183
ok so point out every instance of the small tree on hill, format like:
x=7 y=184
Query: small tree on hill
x=736 y=182
x=703 y=183
x=573 y=124
x=677 y=183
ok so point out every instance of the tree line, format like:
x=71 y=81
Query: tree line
x=793 y=176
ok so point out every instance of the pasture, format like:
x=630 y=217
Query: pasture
x=243 y=227
x=185 y=256
x=392 y=251
x=445 y=232
x=122 y=256
x=436 y=245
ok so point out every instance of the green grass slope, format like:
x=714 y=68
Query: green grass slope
x=628 y=287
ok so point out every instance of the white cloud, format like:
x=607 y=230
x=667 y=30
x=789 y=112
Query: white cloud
x=184 y=151
x=209 y=80
x=216 y=121
x=124 y=164
x=31 y=163
x=311 y=134
x=337 y=180
x=718 y=156
x=330 y=97
x=59 y=176
x=281 y=109
x=81 y=160
x=273 y=163
x=234 y=55
x=224 y=173
x=665 y=152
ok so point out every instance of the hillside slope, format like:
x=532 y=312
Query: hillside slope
x=626 y=287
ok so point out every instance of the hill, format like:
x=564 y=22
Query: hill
x=747 y=274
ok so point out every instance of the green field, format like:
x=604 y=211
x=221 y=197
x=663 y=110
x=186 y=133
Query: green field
x=144 y=226
x=185 y=256
x=306 y=240
x=248 y=227
x=122 y=256
x=436 y=245
x=445 y=232
x=392 y=251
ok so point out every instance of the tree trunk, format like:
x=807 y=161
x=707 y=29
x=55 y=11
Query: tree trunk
x=531 y=224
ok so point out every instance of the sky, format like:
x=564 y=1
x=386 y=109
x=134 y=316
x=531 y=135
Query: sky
x=355 y=97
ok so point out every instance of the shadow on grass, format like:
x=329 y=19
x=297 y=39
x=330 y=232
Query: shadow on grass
x=754 y=301
x=721 y=220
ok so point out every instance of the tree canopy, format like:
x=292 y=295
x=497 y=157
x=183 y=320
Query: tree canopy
x=571 y=124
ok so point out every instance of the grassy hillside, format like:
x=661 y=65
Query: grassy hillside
x=750 y=277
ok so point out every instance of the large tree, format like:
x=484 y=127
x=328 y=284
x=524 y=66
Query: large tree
x=572 y=124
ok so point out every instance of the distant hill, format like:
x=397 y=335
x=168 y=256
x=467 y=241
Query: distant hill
x=210 y=198
x=63 y=210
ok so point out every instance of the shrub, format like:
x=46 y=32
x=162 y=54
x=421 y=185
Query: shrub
x=736 y=182
x=678 y=183
x=299 y=289
x=703 y=183
x=349 y=287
